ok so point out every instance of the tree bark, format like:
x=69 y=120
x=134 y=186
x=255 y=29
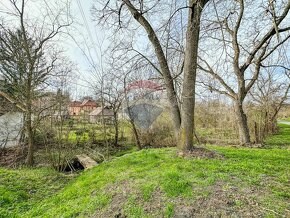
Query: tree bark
x=135 y=131
x=242 y=122
x=30 y=138
x=185 y=141
x=183 y=120
x=257 y=135
x=136 y=136
x=29 y=127
x=116 y=128
x=166 y=74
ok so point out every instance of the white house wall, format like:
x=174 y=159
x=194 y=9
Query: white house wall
x=10 y=127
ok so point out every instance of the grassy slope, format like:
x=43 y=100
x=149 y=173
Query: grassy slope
x=156 y=183
x=22 y=189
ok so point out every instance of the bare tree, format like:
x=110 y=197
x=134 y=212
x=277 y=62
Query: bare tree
x=24 y=63
x=269 y=94
x=241 y=36
x=112 y=95
x=182 y=115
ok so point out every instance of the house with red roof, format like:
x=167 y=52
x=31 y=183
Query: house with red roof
x=76 y=107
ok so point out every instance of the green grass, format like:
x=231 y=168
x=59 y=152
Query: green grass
x=286 y=119
x=280 y=139
x=153 y=183
x=22 y=189
x=81 y=132
x=169 y=210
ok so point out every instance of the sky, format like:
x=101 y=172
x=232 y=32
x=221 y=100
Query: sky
x=82 y=29
x=88 y=31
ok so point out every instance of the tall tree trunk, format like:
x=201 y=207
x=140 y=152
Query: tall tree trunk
x=242 y=122
x=174 y=108
x=136 y=135
x=164 y=68
x=257 y=136
x=185 y=141
x=183 y=120
x=30 y=138
x=29 y=121
x=135 y=131
x=116 y=124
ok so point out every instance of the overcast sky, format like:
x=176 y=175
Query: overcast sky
x=81 y=29
x=81 y=34
x=83 y=78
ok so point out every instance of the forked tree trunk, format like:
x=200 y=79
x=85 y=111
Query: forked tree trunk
x=164 y=68
x=185 y=141
x=183 y=120
x=244 y=132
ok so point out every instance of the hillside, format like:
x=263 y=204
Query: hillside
x=158 y=183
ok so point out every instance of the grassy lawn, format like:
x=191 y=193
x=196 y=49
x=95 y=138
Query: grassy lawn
x=157 y=183
x=22 y=189
x=286 y=119
x=281 y=139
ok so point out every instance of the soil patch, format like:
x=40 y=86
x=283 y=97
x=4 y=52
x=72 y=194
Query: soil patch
x=120 y=194
x=224 y=200
x=12 y=157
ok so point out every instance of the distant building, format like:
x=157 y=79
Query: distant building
x=11 y=123
x=88 y=105
x=100 y=113
x=52 y=106
x=76 y=108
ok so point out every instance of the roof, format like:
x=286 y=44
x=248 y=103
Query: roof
x=88 y=102
x=7 y=104
x=145 y=84
x=75 y=104
x=99 y=111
